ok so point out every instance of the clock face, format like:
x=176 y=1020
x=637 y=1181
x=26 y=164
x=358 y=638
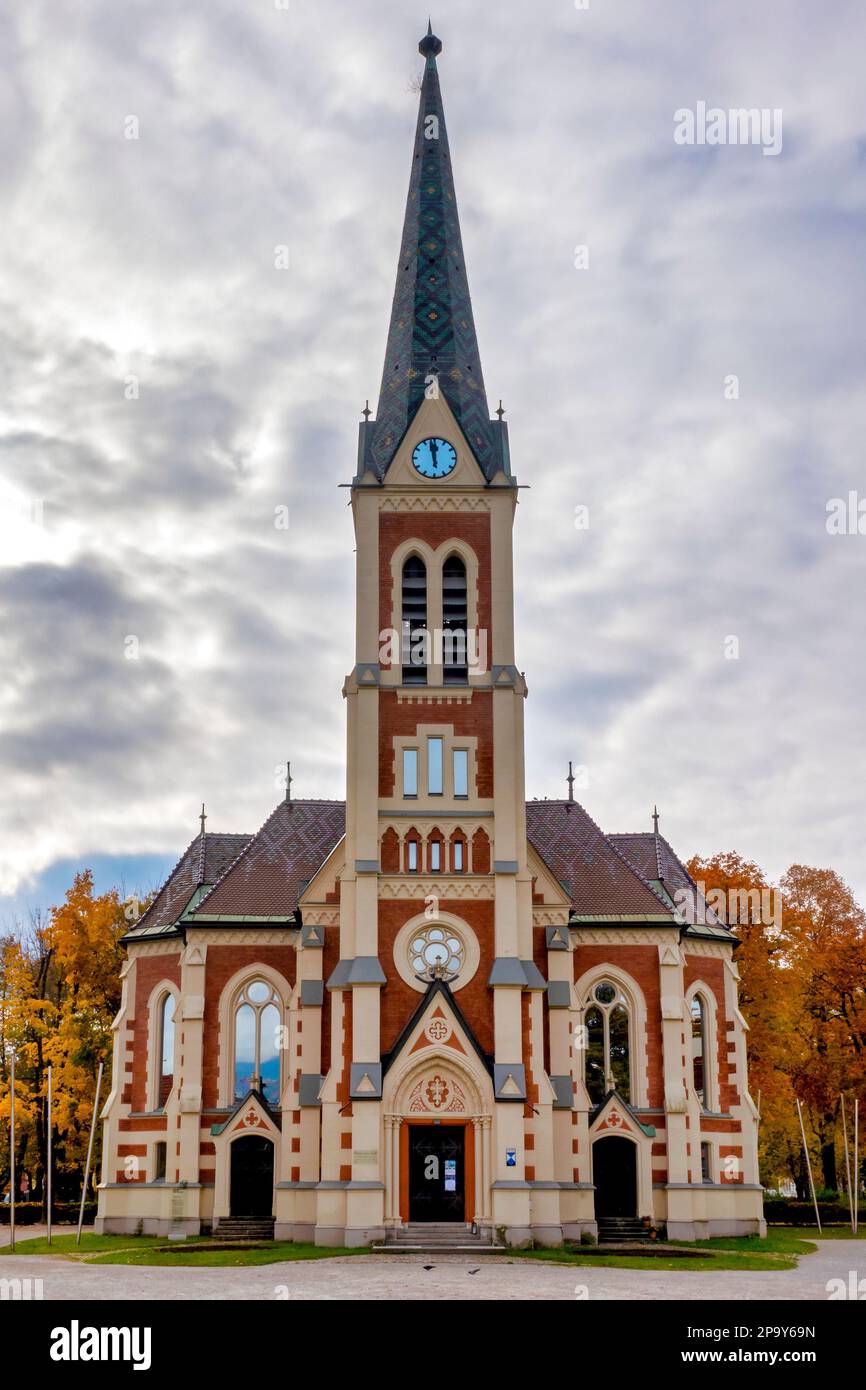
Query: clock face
x=434 y=458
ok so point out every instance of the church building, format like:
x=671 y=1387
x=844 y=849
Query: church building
x=435 y=1007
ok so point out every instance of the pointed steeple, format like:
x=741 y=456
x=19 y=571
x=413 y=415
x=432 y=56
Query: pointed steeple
x=432 y=330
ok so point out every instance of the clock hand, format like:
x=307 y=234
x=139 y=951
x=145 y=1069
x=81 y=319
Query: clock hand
x=434 y=449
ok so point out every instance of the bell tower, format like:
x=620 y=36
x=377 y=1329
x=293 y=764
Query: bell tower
x=435 y=803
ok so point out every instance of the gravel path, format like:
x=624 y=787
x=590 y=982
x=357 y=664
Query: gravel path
x=402 y=1277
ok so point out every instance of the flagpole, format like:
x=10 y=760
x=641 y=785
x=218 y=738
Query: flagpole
x=856 y=1165
x=808 y=1164
x=89 y=1152
x=12 y=1157
x=49 y=1155
x=847 y=1163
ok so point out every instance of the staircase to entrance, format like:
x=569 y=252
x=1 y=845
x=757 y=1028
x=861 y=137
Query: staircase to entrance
x=437 y=1235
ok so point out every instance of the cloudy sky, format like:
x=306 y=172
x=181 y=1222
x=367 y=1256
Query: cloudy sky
x=165 y=387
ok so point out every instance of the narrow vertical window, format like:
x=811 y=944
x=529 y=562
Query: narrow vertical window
x=414 y=622
x=166 y=1048
x=699 y=1049
x=435 y=856
x=595 y=1078
x=455 y=669
x=160 y=1150
x=457 y=856
x=410 y=771
x=412 y=856
x=461 y=771
x=706 y=1163
x=434 y=767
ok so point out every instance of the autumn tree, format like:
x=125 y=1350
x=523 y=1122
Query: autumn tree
x=59 y=992
x=825 y=947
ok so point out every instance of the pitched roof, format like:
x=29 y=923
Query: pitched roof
x=599 y=879
x=268 y=877
x=190 y=872
x=653 y=858
x=432 y=329
x=621 y=876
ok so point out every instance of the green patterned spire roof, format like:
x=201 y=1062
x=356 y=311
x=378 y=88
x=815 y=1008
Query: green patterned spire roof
x=432 y=330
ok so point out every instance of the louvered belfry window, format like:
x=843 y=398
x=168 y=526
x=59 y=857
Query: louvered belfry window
x=455 y=616
x=414 y=621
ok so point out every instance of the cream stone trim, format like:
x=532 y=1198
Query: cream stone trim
x=244 y=936
x=228 y=1000
x=321 y=917
x=711 y=949
x=550 y=916
x=223 y=1156
x=171 y=946
x=637 y=1025
x=447 y=695
x=418 y=502
x=472 y=950
x=154 y=1041
x=326 y=876
x=624 y=936
x=445 y=802
x=478 y=886
x=643 y=1164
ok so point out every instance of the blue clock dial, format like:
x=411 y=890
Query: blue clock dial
x=434 y=458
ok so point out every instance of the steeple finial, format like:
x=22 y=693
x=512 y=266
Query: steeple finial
x=655 y=820
x=570 y=780
x=201 y=846
x=430 y=46
x=288 y=784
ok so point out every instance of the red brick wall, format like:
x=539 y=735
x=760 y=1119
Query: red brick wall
x=399 y=1000
x=149 y=970
x=472 y=720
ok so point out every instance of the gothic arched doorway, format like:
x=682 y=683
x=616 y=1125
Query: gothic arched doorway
x=614 y=1172
x=252 y=1176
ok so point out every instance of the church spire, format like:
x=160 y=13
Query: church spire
x=431 y=337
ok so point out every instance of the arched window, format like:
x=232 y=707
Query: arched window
x=413 y=638
x=257 y=1025
x=700 y=1068
x=606 y=1026
x=455 y=617
x=166 y=1048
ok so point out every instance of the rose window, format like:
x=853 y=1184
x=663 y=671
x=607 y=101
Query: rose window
x=436 y=954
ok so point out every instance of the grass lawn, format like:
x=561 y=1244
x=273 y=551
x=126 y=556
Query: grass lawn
x=156 y=1250
x=780 y=1250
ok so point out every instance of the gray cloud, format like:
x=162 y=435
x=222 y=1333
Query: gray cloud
x=154 y=259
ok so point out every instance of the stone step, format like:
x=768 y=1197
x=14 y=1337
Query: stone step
x=244 y=1228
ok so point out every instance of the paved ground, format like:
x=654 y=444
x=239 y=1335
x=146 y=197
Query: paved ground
x=448 y=1277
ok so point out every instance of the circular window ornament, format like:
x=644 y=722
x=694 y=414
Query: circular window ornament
x=605 y=993
x=445 y=949
x=436 y=953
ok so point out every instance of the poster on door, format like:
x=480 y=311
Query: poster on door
x=451 y=1175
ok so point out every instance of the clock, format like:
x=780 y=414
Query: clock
x=434 y=458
